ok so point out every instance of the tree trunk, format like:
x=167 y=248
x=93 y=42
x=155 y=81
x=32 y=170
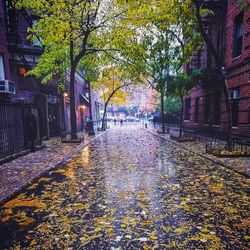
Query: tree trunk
x=73 y=132
x=107 y=102
x=63 y=126
x=104 y=114
x=182 y=114
x=162 y=112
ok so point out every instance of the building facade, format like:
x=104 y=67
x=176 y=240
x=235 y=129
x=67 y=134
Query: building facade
x=21 y=94
x=4 y=62
x=237 y=63
x=205 y=108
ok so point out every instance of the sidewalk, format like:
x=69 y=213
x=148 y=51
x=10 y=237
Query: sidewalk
x=17 y=173
x=240 y=165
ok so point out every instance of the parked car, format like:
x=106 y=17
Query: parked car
x=132 y=119
x=109 y=119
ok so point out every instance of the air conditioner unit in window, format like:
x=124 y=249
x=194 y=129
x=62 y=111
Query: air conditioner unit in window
x=235 y=94
x=7 y=87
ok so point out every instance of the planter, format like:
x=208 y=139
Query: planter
x=182 y=139
x=187 y=136
x=71 y=141
x=226 y=153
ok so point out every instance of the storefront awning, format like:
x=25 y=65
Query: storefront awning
x=83 y=100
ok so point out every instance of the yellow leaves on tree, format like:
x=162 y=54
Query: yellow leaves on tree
x=110 y=86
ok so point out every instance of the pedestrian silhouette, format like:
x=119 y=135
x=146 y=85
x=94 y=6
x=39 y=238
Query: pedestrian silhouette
x=87 y=124
x=121 y=122
x=115 y=121
x=154 y=121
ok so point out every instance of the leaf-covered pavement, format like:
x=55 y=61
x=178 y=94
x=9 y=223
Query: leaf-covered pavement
x=130 y=190
x=238 y=164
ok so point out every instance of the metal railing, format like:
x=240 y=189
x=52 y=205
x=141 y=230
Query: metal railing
x=13 y=134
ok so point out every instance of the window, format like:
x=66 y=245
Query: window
x=2 y=86
x=2 y=76
x=234 y=97
x=207 y=108
x=29 y=58
x=187 y=108
x=35 y=40
x=238 y=35
x=197 y=107
x=217 y=98
x=234 y=94
x=195 y=62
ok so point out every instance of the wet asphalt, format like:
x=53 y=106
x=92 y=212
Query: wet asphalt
x=129 y=189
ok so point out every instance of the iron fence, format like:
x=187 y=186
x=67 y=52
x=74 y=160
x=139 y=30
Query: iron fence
x=13 y=132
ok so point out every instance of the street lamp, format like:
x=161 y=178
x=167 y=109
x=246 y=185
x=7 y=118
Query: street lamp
x=227 y=97
x=82 y=107
x=64 y=129
x=91 y=124
x=224 y=72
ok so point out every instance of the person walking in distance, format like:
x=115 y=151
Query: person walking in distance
x=121 y=122
x=115 y=121
x=154 y=121
x=87 y=121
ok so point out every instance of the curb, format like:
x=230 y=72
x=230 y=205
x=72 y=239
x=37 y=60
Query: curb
x=201 y=155
x=59 y=164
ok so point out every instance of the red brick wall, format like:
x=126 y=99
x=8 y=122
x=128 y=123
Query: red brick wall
x=238 y=76
x=209 y=89
x=232 y=13
x=238 y=68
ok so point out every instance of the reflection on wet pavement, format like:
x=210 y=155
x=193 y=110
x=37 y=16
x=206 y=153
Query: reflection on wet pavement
x=130 y=190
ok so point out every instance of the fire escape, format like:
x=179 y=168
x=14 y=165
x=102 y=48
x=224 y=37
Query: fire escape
x=18 y=45
x=214 y=27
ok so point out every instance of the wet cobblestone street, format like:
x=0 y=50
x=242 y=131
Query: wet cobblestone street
x=129 y=189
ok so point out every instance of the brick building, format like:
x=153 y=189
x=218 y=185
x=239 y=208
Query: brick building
x=45 y=101
x=205 y=108
x=237 y=63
